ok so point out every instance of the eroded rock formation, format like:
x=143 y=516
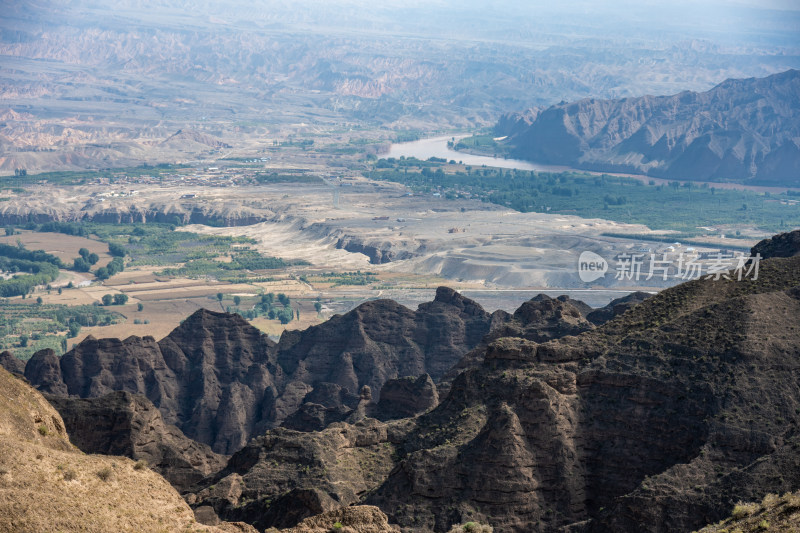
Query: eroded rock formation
x=121 y=423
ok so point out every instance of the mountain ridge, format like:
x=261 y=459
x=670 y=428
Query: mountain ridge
x=741 y=130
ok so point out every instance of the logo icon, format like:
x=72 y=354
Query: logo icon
x=591 y=267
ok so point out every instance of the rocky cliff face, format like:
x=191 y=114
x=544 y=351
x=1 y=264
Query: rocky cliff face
x=285 y=476
x=376 y=342
x=129 y=425
x=221 y=381
x=214 y=376
x=741 y=130
x=406 y=397
x=659 y=420
x=11 y=363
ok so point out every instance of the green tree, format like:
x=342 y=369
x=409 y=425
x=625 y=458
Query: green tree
x=102 y=273
x=116 y=250
x=219 y=296
x=92 y=258
x=23 y=340
x=237 y=300
x=80 y=265
x=84 y=252
x=318 y=307
x=39 y=300
x=120 y=299
x=139 y=306
x=116 y=265
x=107 y=299
x=283 y=299
x=10 y=230
x=74 y=329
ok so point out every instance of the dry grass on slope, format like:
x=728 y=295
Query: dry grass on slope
x=774 y=513
x=48 y=485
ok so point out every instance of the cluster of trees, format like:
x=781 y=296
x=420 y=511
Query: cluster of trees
x=614 y=200
x=28 y=268
x=253 y=261
x=115 y=299
x=115 y=266
x=266 y=306
x=285 y=313
x=85 y=260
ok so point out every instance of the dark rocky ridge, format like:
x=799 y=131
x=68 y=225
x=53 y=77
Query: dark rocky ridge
x=781 y=245
x=540 y=319
x=659 y=420
x=127 y=424
x=11 y=363
x=406 y=397
x=616 y=307
x=221 y=381
x=741 y=130
x=214 y=376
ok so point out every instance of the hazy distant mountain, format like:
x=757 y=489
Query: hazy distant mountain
x=86 y=84
x=741 y=130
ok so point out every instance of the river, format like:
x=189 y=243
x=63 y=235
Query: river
x=437 y=147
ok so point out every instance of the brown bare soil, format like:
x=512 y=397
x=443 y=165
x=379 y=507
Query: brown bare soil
x=47 y=485
x=65 y=247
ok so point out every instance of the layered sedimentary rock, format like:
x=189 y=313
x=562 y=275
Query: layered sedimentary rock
x=406 y=397
x=221 y=381
x=121 y=423
x=659 y=420
x=214 y=376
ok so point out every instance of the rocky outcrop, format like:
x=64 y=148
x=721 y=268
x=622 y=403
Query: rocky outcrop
x=129 y=425
x=659 y=420
x=540 y=319
x=378 y=252
x=214 y=376
x=357 y=519
x=406 y=397
x=378 y=341
x=783 y=245
x=325 y=404
x=743 y=130
x=285 y=476
x=11 y=363
x=221 y=381
x=616 y=307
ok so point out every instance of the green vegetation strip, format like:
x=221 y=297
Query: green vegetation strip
x=681 y=207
